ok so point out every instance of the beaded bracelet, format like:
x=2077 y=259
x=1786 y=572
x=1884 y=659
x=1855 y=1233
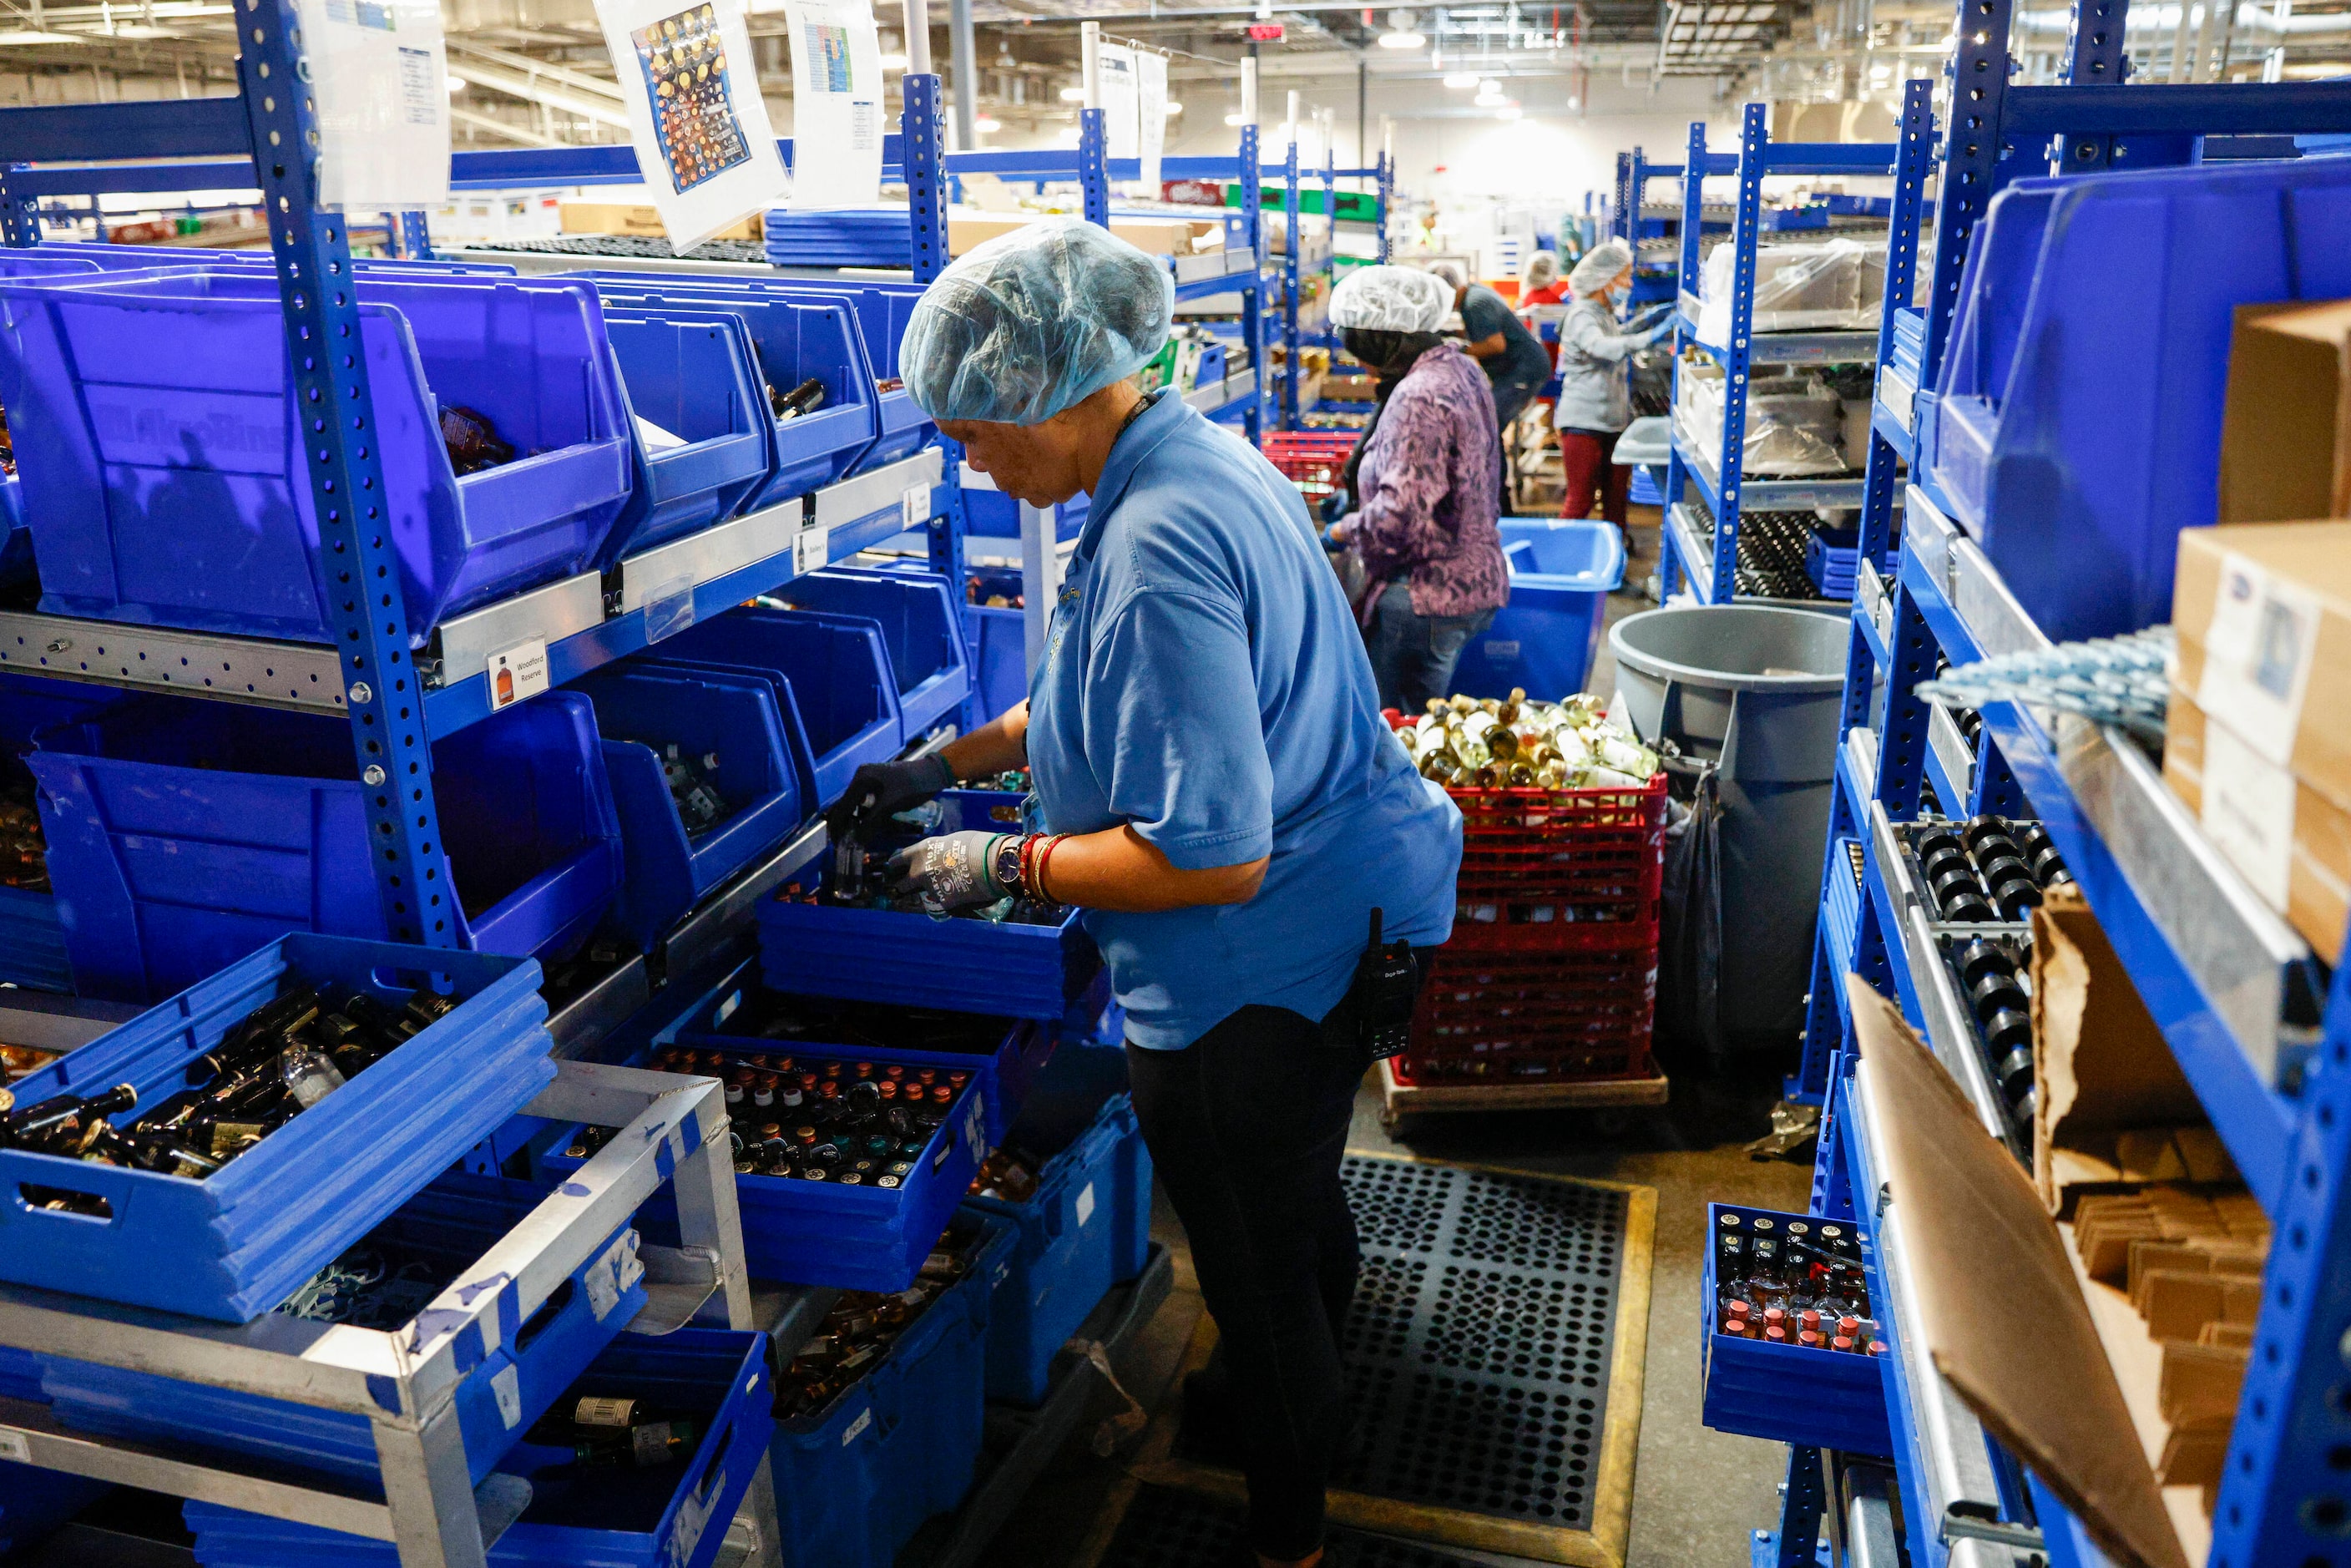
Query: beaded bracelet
x=1044 y=859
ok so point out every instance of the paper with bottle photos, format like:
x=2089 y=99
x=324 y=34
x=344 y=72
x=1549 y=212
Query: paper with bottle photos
x=704 y=144
x=837 y=118
x=1151 y=109
x=380 y=76
x=1120 y=135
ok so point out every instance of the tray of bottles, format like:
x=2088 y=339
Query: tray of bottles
x=847 y=1174
x=1791 y=1337
x=838 y=932
x=216 y=1151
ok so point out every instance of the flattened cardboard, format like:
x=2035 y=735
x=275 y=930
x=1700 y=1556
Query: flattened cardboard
x=2105 y=1070
x=2285 y=425
x=1976 y=1228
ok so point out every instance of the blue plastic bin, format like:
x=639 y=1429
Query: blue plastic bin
x=2042 y=435
x=32 y=931
x=183 y=834
x=641 y=711
x=1085 y=1228
x=826 y=1233
x=794 y=339
x=998 y=643
x=34 y=1501
x=668 y=1516
x=453 y=1223
x=692 y=373
x=916 y=613
x=992 y=514
x=838 y=676
x=1562 y=571
x=855 y=1482
x=162 y=467
x=1786 y=1393
x=233 y=1246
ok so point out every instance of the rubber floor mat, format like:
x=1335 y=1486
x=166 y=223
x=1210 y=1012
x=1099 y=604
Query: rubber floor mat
x=1164 y=1528
x=1494 y=1358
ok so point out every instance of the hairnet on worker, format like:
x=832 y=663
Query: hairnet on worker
x=1599 y=268
x=1542 y=271
x=1035 y=321
x=1390 y=300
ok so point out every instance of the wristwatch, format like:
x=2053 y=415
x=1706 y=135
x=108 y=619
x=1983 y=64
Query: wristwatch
x=1004 y=862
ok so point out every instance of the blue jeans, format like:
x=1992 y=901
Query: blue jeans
x=1413 y=654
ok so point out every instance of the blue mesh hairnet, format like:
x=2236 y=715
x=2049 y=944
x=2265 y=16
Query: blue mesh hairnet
x=1034 y=321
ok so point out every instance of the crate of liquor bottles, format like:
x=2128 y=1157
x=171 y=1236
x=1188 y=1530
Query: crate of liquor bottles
x=221 y=1148
x=1081 y=1216
x=641 y=1464
x=1516 y=1004
x=881 y=1414
x=849 y=1171
x=1791 y=1341
x=386 y=1281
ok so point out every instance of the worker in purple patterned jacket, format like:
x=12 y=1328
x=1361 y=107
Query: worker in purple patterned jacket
x=1427 y=485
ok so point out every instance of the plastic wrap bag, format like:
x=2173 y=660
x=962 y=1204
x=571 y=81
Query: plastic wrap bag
x=1795 y=428
x=1833 y=286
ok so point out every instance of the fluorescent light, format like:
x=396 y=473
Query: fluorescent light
x=1461 y=81
x=1402 y=40
x=29 y=36
x=1073 y=95
x=894 y=61
x=1233 y=122
x=1489 y=88
x=987 y=122
x=454 y=84
x=1174 y=109
x=1489 y=101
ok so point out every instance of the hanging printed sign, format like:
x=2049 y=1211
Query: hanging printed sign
x=704 y=144
x=1119 y=137
x=378 y=72
x=837 y=116
x=1151 y=109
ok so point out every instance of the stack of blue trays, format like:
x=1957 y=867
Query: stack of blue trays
x=1909 y=343
x=1829 y=560
x=852 y=236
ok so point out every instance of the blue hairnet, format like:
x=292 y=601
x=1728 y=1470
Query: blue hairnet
x=1034 y=321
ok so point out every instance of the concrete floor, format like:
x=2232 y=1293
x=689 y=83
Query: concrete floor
x=1696 y=1493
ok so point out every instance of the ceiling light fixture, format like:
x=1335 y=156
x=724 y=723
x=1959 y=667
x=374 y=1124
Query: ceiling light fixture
x=1232 y=122
x=1073 y=95
x=1173 y=110
x=1401 y=33
x=1461 y=80
x=987 y=122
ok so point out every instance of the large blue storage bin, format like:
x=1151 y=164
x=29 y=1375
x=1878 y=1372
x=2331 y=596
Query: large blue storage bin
x=640 y=710
x=999 y=642
x=163 y=469
x=839 y=675
x=2043 y=435
x=183 y=834
x=795 y=340
x=34 y=1501
x=1562 y=571
x=1785 y=1393
x=32 y=931
x=992 y=514
x=824 y=1233
x=916 y=613
x=855 y=1482
x=453 y=1223
x=233 y=1246
x=1085 y=1228
x=692 y=373
x=670 y=1516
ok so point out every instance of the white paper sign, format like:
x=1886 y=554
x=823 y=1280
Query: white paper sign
x=1151 y=101
x=518 y=673
x=380 y=76
x=836 y=104
x=704 y=144
x=1119 y=137
x=2248 y=811
x=2257 y=657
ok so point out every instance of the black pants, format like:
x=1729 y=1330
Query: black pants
x=1246 y=1127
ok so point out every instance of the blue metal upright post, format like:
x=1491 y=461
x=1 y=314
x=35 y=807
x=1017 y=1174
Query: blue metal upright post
x=1253 y=297
x=926 y=203
x=1916 y=136
x=1387 y=200
x=1093 y=165
x=1977 y=74
x=1290 y=370
x=1747 y=224
x=414 y=238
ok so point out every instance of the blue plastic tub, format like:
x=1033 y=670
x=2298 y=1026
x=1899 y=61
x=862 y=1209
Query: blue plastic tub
x=642 y=710
x=453 y=1222
x=669 y=1516
x=838 y=676
x=795 y=340
x=1786 y=1393
x=855 y=1482
x=183 y=834
x=992 y=514
x=916 y=613
x=233 y=1246
x=32 y=931
x=692 y=373
x=2042 y=435
x=34 y=1501
x=162 y=464
x=1562 y=571
x=826 y=1233
x=998 y=644
x=1085 y=1228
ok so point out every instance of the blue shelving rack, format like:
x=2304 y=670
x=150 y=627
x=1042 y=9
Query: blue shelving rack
x=2259 y=1032
x=1707 y=556
x=1296 y=267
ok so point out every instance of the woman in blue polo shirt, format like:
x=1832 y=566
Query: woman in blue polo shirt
x=1218 y=794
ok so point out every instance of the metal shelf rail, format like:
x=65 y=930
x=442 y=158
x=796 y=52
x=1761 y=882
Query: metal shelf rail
x=2258 y=1030
x=1298 y=264
x=1708 y=557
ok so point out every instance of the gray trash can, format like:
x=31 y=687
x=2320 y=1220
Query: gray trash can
x=1756 y=689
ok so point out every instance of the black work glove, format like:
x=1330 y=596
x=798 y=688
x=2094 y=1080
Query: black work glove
x=882 y=790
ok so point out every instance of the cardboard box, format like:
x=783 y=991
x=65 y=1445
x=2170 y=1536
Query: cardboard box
x=2285 y=427
x=641 y=218
x=2262 y=617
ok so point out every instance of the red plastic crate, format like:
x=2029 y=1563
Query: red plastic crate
x=1310 y=459
x=1564 y=856
x=1511 y=1005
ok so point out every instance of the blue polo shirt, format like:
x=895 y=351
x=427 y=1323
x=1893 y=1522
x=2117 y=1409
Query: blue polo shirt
x=1204 y=680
